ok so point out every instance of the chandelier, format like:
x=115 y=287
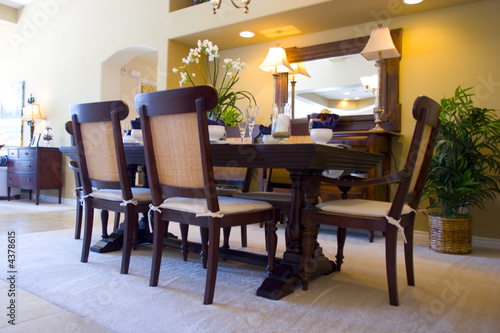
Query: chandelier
x=244 y=4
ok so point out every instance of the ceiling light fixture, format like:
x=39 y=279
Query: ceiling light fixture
x=244 y=4
x=247 y=34
x=412 y=2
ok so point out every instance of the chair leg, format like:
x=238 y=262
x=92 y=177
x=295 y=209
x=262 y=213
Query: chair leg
x=204 y=246
x=390 y=261
x=184 y=236
x=226 y=233
x=157 y=249
x=79 y=215
x=104 y=223
x=128 y=230
x=135 y=231
x=244 y=236
x=371 y=236
x=116 y=224
x=87 y=231
x=213 y=258
x=341 y=236
x=410 y=275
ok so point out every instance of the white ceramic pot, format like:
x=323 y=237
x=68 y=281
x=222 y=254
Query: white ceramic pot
x=137 y=135
x=321 y=135
x=216 y=132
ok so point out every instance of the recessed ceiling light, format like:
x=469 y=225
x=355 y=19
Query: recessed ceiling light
x=356 y=97
x=412 y=2
x=247 y=34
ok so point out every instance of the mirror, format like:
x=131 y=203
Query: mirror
x=391 y=118
x=334 y=85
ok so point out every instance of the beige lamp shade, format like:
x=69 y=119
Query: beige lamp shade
x=299 y=71
x=380 y=45
x=32 y=111
x=276 y=61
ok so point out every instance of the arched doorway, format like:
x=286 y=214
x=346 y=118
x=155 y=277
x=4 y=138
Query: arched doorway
x=124 y=72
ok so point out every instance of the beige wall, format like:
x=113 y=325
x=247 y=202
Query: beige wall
x=61 y=58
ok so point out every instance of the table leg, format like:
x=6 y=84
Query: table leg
x=287 y=275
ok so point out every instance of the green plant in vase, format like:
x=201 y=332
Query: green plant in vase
x=465 y=169
x=222 y=76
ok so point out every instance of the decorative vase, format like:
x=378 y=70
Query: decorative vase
x=450 y=235
x=281 y=124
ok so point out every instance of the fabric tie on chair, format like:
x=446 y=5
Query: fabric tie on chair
x=131 y=201
x=211 y=214
x=396 y=223
x=152 y=209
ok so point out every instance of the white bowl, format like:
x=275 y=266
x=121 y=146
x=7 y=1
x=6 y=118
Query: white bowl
x=216 y=132
x=268 y=138
x=321 y=135
x=128 y=139
x=137 y=135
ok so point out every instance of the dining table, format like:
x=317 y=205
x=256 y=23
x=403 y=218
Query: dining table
x=301 y=160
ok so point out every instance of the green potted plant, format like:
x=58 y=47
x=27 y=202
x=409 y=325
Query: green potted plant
x=464 y=171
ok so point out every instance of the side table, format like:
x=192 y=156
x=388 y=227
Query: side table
x=34 y=168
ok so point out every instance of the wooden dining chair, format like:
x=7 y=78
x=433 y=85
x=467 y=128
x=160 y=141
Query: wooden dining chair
x=103 y=171
x=388 y=217
x=179 y=166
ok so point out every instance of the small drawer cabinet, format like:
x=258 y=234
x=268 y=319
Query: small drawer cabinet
x=34 y=169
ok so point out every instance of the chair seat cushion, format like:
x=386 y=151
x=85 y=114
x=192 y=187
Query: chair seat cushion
x=265 y=196
x=227 y=205
x=140 y=194
x=360 y=207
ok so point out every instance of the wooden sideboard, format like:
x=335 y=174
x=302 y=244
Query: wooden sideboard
x=34 y=168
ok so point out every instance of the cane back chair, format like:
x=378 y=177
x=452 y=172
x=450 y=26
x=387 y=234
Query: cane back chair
x=179 y=166
x=378 y=215
x=103 y=171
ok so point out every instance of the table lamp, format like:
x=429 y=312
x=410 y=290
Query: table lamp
x=30 y=113
x=275 y=63
x=380 y=47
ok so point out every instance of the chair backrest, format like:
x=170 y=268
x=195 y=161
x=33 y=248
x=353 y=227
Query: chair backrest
x=97 y=137
x=176 y=142
x=426 y=113
x=69 y=129
x=280 y=178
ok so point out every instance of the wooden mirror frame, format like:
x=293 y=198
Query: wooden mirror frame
x=391 y=118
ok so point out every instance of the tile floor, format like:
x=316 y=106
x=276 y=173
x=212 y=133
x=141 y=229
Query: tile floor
x=36 y=314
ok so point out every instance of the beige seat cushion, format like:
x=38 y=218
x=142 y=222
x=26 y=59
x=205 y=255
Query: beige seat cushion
x=227 y=205
x=360 y=207
x=140 y=194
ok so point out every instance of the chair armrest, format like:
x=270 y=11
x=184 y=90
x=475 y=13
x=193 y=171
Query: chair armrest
x=73 y=165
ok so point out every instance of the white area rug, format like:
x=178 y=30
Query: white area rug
x=453 y=293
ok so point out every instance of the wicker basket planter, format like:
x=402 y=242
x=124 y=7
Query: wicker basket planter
x=450 y=235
